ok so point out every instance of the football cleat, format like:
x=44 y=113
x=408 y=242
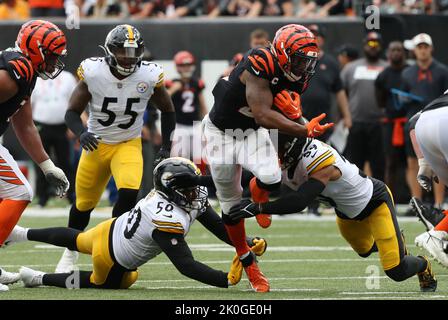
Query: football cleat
x=18 y=234
x=8 y=277
x=67 y=262
x=428 y=282
x=435 y=243
x=260 y=196
x=31 y=278
x=430 y=218
x=3 y=288
x=257 y=280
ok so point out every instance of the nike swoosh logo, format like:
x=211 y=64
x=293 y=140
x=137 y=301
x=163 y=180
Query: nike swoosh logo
x=256 y=72
x=17 y=76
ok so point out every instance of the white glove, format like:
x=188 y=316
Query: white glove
x=425 y=175
x=55 y=176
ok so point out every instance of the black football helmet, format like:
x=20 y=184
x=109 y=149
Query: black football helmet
x=124 y=48
x=193 y=198
x=289 y=148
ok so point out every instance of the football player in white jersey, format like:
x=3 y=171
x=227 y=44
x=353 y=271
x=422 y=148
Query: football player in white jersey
x=115 y=90
x=158 y=223
x=364 y=206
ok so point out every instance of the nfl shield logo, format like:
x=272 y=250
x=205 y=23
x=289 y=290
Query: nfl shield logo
x=119 y=85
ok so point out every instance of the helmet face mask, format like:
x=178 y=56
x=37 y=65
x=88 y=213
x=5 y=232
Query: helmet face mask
x=302 y=66
x=52 y=66
x=290 y=151
x=192 y=200
x=124 y=49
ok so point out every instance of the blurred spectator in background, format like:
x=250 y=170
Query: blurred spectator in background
x=49 y=102
x=188 y=99
x=106 y=8
x=346 y=53
x=47 y=8
x=365 y=140
x=395 y=115
x=259 y=38
x=14 y=10
x=232 y=64
x=278 y=8
x=325 y=85
x=244 y=8
x=324 y=8
x=164 y=9
x=422 y=83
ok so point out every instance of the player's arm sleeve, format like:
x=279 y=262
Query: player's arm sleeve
x=260 y=63
x=177 y=250
x=294 y=202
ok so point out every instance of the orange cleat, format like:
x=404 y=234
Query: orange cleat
x=257 y=279
x=260 y=196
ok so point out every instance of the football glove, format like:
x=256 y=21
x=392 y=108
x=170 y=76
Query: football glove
x=89 y=141
x=315 y=129
x=161 y=155
x=425 y=175
x=55 y=177
x=259 y=246
x=235 y=272
x=183 y=180
x=289 y=104
x=245 y=209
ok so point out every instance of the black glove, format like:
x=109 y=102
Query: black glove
x=245 y=209
x=89 y=141
x=161 y=155
x=183 y=180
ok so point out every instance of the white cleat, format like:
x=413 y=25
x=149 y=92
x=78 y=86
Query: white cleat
x=8 y=277
x=3 y=288
x=67 y=262
x=31 y=278
x=18 y=234
x=434 y=242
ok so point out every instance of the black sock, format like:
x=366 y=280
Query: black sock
x=72 y=280
x=247 y=261
x=79 y=219
x=61 y=237
x=127 y=198
x=408 y=267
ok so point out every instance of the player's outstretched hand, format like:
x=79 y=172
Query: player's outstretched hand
x=316 y=129
x=244 y=209
x=89 y=141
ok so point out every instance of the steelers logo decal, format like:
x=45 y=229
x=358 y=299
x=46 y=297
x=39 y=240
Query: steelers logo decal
x=142 y=87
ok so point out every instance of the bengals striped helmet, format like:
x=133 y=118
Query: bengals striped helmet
x=43 y=43
x=296 y=50
x=185 y=63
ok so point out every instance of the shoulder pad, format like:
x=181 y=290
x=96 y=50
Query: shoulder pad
x=317 y=156
x=260 y=63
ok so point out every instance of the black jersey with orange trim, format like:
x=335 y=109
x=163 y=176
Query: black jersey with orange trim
x=22 y=72
x=186 y=101
x=230 y=110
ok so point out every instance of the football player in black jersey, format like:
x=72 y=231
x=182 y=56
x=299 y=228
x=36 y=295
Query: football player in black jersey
x=236 y=128
x=188 y=100
x=39 y=46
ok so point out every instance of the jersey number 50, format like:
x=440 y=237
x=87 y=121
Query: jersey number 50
x=112 y=114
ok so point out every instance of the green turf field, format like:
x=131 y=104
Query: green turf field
x=306 y=259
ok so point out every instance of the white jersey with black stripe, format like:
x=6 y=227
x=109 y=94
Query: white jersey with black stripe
x=350 y=194
x=132 y=240
x=117 y=106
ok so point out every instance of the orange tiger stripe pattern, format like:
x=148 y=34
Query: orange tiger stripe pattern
x=8 y=175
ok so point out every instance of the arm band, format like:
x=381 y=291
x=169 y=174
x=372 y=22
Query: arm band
x=74 y=122
x=168 y=120
x=296 y=201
